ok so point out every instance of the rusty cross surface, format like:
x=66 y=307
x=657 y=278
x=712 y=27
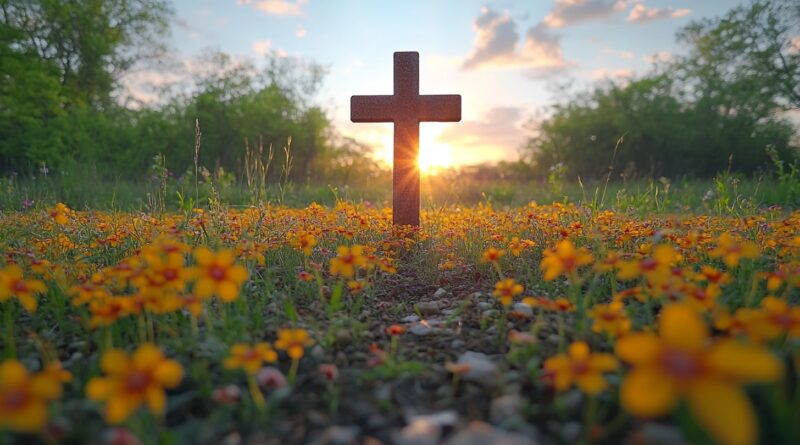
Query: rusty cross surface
x=406 y=108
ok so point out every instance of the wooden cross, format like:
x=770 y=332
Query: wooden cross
x=406 y=108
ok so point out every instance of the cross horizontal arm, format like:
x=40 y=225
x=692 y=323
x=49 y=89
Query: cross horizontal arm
x=440 y=108
x=372 y=108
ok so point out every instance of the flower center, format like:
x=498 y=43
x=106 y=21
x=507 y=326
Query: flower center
x=217 y=273
x=15 y=400
x=19 y=286
x=137 y=381
x=680 y=364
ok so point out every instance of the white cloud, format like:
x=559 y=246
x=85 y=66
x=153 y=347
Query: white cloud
x=496 y=44
x=261 y=47
x=500 y=129
x=300 y=32
x=495 y=39
x=569 y=12
x=641 y=13
x=276 y=7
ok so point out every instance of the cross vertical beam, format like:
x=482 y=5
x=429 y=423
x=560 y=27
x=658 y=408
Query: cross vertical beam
x=406 y=108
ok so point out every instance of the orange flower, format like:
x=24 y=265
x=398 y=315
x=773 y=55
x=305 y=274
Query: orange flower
x=13 y=284
x=217 y=274
x=347 y=260
x=294 y=342
x=250 y=358
x=580 y=367
x=303 y=241
x=682 y=362
x=492 y=255
x=395 y=329
x=133 y=380
x=610 y=318
x=24 y=397
x=564 y=259
x=505 y=290
x=732 y=249
x=656 y=269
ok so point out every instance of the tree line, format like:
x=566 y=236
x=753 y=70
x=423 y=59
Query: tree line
x=722 y=106
x=62 y=64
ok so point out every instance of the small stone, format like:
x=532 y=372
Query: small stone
x=524 y=309
x=485 y=306
x=419 y=433
x=318 y=352
x=505 y=407
x=457 y=343
x=420 y=329
x=442 y=418
x=653 y=433
x=554 y=339
x=410 y=319
x=448 y=311
x=338 y=435
x=427 y=307
x=481 y=368
x=475 y=296
x=488 y=313
x=479 y=433
x=570 y=431
x=440 y=293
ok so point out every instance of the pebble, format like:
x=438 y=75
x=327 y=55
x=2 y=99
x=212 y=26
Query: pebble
x=523 y=309
x=440 y=293
x=480 y=433
x=488 y=313
x=481 y=368
x=653 y=433
x=484 y=305
x=427 y=307
x=420 y=329
x=505 y=407
x=570 y=431
x=553 y=338
x=410 y=319
x=457 y=343
x=338 y=435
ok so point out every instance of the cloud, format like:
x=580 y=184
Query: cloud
x=496 y=44
x=261 y=47
x=569 y=12
x=641 y=13
x=276 y=7
x=300 y=32
x=495 y=39
x=618 y=73
x=500 y=130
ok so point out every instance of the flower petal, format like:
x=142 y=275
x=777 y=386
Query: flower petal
x=724 y=411
x=680 y=326
x=745 y=363
x=648 y=393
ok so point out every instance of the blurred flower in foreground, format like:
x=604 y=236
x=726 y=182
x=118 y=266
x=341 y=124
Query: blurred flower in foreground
x=13 y=284
x=347 y=260
x=132 y=380
x=24 y=397
x=732 y=249
x=681 y=362
x=505 y=290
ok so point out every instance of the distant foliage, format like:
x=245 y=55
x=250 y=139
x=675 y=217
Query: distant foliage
x=718 y=108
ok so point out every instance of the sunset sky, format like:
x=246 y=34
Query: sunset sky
x=503 y=57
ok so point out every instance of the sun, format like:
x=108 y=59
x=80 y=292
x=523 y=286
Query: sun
x=434 y=155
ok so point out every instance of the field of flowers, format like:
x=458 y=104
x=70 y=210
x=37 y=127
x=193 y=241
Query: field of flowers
x=543 y=324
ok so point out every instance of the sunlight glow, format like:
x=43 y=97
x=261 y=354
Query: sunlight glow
x=434 y=156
